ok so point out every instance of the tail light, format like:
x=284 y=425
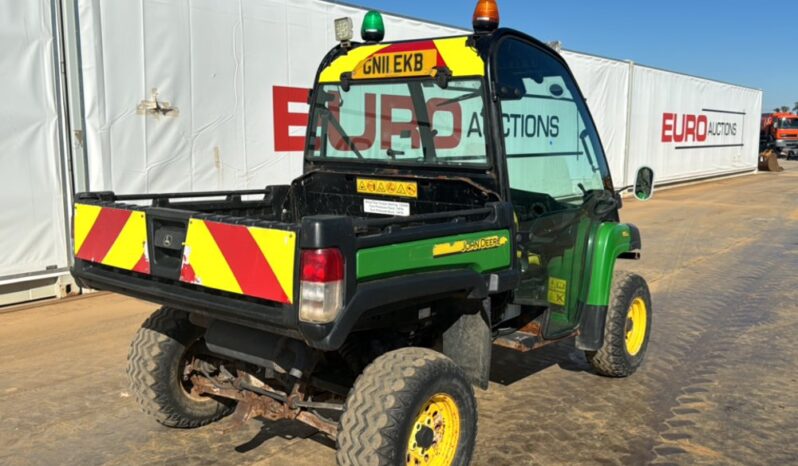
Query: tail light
x=321 y=288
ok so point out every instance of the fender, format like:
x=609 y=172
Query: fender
x=611 y=241
x=373 y=295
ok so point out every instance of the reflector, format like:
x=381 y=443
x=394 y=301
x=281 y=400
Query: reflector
x=486 y=16
x=322 y=265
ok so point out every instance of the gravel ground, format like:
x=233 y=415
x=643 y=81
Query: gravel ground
x=718 y=386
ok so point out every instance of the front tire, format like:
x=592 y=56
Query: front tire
x=156 y=361
x=627 y=328
x=412 y=406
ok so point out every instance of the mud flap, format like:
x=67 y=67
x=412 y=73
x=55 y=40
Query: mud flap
x=591 y=330
x=468 y=342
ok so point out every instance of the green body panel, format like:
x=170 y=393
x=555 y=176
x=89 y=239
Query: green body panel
x=610 y=240
x=484 y=251
x=568 y=269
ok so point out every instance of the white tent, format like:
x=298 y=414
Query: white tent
x=33 y=230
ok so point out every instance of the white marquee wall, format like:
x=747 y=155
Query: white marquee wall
x=33 y=228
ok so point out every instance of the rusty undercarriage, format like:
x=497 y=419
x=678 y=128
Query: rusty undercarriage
x=255 y=398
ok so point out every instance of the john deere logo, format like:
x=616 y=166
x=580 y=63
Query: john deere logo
x=167 y=240
x=468 y=245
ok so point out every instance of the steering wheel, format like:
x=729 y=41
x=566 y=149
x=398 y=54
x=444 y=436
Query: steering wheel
x=549 y=233
x=599 y=203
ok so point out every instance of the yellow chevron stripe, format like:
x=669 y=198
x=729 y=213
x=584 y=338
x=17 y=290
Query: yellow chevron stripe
x=128 y=247
x=279 y=249
x=207 y=260
x=461 y=59
x=85 y=216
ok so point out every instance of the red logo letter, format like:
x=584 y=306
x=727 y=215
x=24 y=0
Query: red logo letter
x=284 y=119
x=689 y=128
x=363 y=141
x=392 y=128
x=667 y=127
x=701 y=128
x=439 y=105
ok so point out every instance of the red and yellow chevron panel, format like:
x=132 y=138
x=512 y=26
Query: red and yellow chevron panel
x=110 y=236
x=252 y=261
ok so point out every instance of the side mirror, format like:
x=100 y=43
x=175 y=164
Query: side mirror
x=644 y=184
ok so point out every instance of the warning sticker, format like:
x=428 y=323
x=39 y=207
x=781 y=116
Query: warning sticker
x=387 y=187
x=557 y=290
x=394 y=209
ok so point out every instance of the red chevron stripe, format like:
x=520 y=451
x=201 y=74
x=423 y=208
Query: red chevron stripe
x=413 y=47
x=143 y=265
x=103 y=234
x=249 y=266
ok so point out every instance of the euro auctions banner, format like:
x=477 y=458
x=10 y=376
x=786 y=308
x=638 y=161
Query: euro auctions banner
x=685 y=127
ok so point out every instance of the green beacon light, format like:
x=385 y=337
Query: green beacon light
x=373 y=29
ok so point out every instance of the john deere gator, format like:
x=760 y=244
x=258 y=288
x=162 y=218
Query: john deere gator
x=455 y=196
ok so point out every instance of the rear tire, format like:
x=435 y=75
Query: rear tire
x=624 y=346
x=155 y=365
x=409 y=404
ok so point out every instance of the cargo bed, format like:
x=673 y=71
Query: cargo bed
x=233 y=256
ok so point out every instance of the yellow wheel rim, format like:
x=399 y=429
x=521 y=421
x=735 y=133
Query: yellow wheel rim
x=636 y=326
x=435 y=433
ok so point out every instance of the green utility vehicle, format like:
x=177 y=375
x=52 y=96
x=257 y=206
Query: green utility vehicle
x=455 y=196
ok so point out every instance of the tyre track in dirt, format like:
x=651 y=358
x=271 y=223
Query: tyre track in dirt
x=696 y=354
x=730 y=296
x=718 y=385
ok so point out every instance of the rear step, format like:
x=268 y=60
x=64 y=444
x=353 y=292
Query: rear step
x=527 y=338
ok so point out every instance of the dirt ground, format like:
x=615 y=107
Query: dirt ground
x=720 y=384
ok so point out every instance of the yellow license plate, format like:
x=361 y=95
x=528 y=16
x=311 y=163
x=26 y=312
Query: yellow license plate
x=397 y=65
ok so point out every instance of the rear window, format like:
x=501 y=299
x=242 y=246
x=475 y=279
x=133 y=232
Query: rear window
x=410 y=122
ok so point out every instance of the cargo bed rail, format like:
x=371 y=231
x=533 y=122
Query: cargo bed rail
x=110 y=196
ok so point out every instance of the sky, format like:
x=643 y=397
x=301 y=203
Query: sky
x=732 y=41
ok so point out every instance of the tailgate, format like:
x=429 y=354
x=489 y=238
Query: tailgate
x=242 y=256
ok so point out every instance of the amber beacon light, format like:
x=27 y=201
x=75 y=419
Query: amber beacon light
x=486 y=16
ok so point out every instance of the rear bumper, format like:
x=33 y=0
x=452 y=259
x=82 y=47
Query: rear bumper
x=242 y=310
x=282 y=319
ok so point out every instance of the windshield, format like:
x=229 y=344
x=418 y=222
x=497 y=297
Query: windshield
x=412 y=122
x=789 y=123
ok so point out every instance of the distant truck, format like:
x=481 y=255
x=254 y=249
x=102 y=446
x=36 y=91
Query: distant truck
x=779 y=132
